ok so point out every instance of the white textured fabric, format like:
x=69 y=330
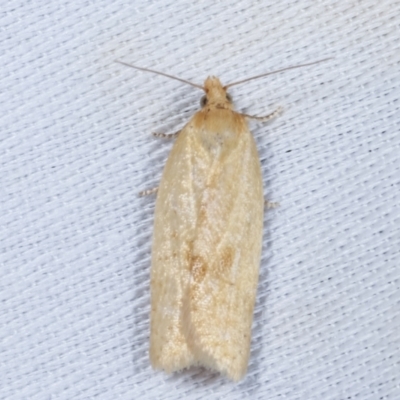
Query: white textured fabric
x=76 y=148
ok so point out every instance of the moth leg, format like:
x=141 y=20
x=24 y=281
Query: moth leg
x=265 y=118
x=148 y=191
x=271 y=204
x=166 y=135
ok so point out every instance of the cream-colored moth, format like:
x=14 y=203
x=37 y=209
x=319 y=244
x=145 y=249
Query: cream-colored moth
x=207 y=240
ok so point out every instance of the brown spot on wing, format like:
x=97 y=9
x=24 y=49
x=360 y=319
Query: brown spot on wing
x=195 y=263
x=226 y=260
x=198 y=268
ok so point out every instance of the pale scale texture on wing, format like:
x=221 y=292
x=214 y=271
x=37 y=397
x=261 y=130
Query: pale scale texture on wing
x=174 y=224
x=207 y=243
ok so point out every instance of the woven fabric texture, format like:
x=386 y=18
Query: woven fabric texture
x=76 y=148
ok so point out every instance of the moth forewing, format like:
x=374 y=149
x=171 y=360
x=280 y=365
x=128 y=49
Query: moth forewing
x=207 y=243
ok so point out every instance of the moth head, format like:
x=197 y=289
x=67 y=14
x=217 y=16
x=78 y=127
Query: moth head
x=216 y=94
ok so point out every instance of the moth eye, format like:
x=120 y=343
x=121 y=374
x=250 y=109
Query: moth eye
x=203 y=101
x=229 y=97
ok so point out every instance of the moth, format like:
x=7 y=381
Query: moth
x=207 y=239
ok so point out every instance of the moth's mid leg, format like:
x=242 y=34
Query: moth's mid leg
x=270 y=204
x=148 y=191
x=166 y=135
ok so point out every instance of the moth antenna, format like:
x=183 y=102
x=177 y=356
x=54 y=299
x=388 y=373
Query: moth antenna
x=160 y=73
x=275 y=72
